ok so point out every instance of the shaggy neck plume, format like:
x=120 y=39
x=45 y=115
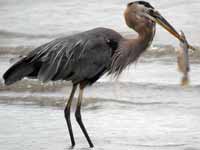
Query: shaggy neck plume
x=129 y=50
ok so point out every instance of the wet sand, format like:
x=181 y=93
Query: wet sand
x=112 y=125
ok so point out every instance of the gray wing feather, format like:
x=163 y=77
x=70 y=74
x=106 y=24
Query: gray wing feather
x=85 y=55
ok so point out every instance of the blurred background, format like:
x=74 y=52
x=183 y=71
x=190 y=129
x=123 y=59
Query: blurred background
x=30 y=23
x=146 y=108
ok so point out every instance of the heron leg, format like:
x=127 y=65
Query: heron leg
x=67 y=114
x=78 y=115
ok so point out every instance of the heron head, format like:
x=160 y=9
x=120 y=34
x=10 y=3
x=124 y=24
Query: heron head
x=141 y=15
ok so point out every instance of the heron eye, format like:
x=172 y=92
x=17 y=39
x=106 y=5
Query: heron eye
x=151 y=11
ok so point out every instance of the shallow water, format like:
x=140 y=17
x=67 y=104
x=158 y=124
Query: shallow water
x=112 y=125
x=144 y=109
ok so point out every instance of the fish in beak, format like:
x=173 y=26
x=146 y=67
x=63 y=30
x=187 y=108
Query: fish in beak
x=183 y=60
x=158 y=18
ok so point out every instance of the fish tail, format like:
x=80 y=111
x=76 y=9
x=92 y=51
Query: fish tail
x=185 y=81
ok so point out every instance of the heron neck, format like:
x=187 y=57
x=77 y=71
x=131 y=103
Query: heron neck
x=129 y=50
x=144 y=39
x=138 y=45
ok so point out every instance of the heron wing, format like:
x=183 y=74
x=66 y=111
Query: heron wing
x=84 y=56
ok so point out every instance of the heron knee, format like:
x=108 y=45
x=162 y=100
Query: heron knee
x=67 y=112
x=78 y=115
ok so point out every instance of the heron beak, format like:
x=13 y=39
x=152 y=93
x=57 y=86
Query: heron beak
x=158 y=18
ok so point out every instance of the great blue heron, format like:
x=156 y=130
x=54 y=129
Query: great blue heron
x=84 y=57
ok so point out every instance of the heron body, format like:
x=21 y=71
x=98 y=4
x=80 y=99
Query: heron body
x=80 y=57
x=84 y=57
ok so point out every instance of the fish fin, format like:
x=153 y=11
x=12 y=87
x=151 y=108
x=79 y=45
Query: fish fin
x=185 y=81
